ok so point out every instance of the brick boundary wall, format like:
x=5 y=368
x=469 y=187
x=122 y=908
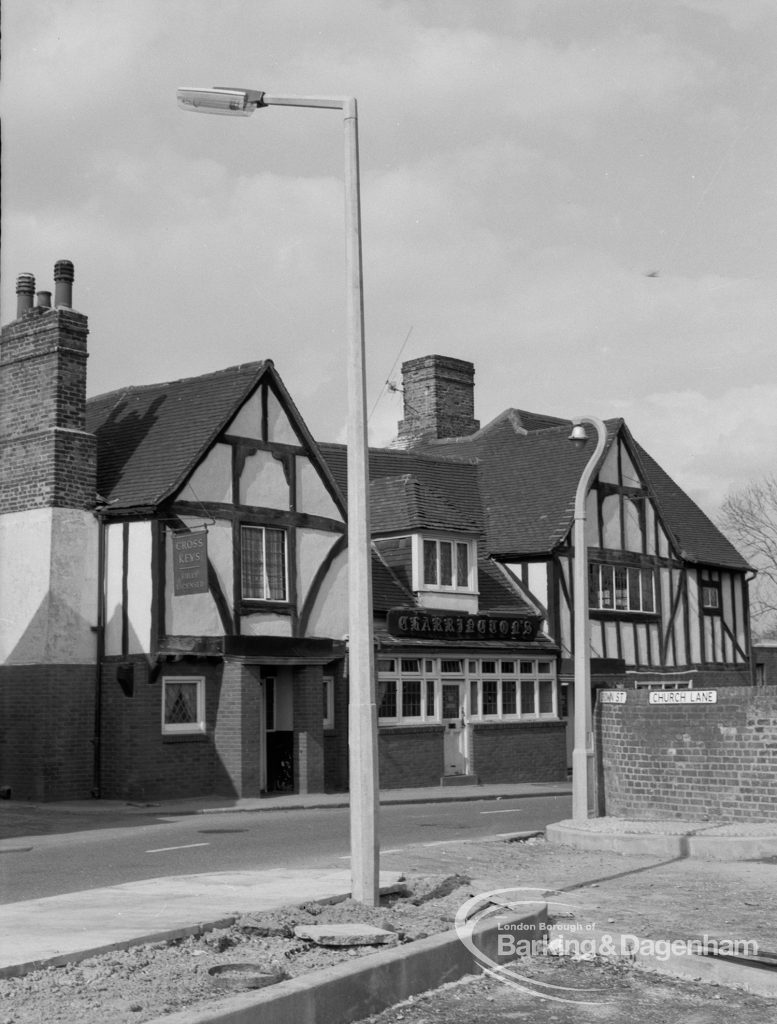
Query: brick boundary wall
x=410 y=756
x=690 y=761
x=519 y=752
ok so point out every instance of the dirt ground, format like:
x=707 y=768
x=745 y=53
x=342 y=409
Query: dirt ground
x=614 y=993
x=639 y=895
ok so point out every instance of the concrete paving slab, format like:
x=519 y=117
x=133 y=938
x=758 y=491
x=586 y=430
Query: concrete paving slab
x=63 y=929
x=356 y=934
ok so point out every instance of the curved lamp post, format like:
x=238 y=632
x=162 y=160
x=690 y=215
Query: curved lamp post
x=362 y=737
x=582 y=752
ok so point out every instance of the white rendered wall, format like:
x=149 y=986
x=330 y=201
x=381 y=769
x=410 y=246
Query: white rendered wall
x=312 y=495
x=139 y=588
x=48 y=586
x=329 y=614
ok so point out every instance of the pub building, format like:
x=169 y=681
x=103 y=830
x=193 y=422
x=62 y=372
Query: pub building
x=173 y=609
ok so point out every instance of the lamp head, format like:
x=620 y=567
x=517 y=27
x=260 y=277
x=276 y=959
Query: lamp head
x=578 y=437
x=220 y=100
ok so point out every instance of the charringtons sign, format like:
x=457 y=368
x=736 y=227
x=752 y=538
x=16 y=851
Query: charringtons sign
x=443 y=624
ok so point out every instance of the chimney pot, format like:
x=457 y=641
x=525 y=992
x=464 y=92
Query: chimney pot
x=25 y=290
x=44 y=300
x=63 y=280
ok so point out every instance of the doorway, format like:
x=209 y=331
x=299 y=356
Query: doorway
x=455 y=761
x=279 y=732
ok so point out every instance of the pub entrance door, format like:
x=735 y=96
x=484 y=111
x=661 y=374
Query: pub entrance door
x=455 y=739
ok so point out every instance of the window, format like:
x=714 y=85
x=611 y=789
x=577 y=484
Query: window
x=446 y=564
x=388 y=700
x=329 y=702
x=414 y=691
x=411 y=698
x=183 y=705
x=262 y=563
x=620 y=588
x=710 y=597
x=490 y=697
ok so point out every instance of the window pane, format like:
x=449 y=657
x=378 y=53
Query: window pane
x=462 y=565
x=489 y=697
x=474 y=705
x=489 y=667
x=635 y=590
x=546 y=697
x=593 y=585
x=508 y=667
x=446 y=563
x=386 y=665
x=606 y=587
x=648 y=603
x=527 y=667
x=621 y=591
x=430 y=698
x=251 y=562
x=411 y=698
x=544 y=667
x=450 y=666
x=180 y=703
x=527 y=697
x=411 y=665
x=275 y=550
x=428 y=665
x=430 y=561
x=388 y=705
x=473 y=667
x=508 y=697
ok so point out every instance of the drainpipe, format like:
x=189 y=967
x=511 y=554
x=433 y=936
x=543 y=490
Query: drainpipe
x=748 y=637
x=100 y=654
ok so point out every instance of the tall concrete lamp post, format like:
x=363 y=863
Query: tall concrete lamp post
x=363 y=737
x=582 y=751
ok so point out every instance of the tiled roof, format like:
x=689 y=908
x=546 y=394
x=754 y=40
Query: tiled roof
x=406 y=503
x=697 y=537
x=150 y=438
x=529 y=476
x=529 y=481
x=387 y=591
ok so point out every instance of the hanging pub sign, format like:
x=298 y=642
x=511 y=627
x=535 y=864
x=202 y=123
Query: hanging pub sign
x=190 y=562
x=444 y=624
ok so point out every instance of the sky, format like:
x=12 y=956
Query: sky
x=578 y=196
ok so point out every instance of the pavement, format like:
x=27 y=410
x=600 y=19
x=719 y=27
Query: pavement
x=66 y=928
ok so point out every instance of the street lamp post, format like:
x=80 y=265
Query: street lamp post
x=362 y=737
x=582 y=751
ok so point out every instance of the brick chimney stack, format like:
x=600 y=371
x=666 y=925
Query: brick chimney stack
x=439 y=400
x=47 y=460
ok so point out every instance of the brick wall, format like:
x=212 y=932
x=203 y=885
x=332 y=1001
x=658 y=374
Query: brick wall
x=138 y=762
x=410 y=756
x=46 y=458
x=46 y=731
x=439 y=395
x=698 y=761
x=308 y=729
x=336 y=740
x=519 y=752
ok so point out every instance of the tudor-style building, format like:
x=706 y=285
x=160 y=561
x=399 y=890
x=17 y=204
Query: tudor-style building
x=667 y=591
x=174 y=572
